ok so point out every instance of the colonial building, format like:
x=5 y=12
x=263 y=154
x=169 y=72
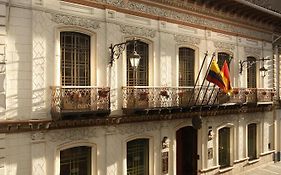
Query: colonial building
x=118 y=87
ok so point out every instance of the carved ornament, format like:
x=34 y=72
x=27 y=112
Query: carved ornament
x=38 y=136
x=140 y=31
x=72 y=134
x=187 y=39
x=139 y=7
x=139 y=128
x=252 y=51
x=75 y=21
x=223 y=45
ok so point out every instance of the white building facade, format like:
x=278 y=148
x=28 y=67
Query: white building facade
x=66 y=110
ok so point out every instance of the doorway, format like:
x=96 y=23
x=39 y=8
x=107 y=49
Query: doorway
x=187 y=157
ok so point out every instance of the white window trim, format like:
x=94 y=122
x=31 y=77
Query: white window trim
x=150 y=61
x=93 y=52
x=62 y=147
x=197 y=62
x=259 y=134
x=232 y=143
x=151 y=153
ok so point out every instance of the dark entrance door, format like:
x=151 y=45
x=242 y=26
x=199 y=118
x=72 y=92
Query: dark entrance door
x=186 y=151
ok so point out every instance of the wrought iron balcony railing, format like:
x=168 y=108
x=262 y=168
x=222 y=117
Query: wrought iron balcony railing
x=81 y=101
x=165 y=97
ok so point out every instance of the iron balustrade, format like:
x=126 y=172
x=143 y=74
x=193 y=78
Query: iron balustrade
x=79 y=99
x=143 y=97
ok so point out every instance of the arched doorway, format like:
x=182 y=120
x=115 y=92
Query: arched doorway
x=186 y=138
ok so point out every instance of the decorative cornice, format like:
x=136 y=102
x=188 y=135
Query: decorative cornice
x=72 y=134
x=38 y=136
x=187 y=39
x=146 y=9
x=223 y=45
x=140 y=31
x=75 y=21
x=252 y=51
x=139 y=129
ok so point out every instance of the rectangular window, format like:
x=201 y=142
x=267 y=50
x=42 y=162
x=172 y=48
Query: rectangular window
x=252 y=141
x=186 y=66
x=138 y=157
x=76 y=161
x=252 y=72
x=224 y=147
x=75 y=59
x=138 y=76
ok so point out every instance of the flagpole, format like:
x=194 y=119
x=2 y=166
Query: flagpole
x=192 y=95
x=205 y=93
x=211 y=94
x=205 y=77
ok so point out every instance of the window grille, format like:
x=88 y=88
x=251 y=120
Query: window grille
x=222 y=56
x=138 y=157
x=140 y=77
x=75 y=59
x=186 y=66
x=76 y=161
x=252 y=71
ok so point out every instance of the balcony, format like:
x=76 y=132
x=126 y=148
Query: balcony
x=72 y=102
x=168 y=99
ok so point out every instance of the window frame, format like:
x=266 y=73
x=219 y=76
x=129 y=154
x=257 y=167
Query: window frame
x=56 y=69
x=75 y=59
x=186 y=82
x=233 y=143
x=64 y=146
x=150 y=153
x=256 y=142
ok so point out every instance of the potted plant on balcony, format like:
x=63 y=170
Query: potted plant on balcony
x=143 y=96
x=180 y=94
x=103 y=93
x=263 y=93
x=246 y=92
x=164 y=93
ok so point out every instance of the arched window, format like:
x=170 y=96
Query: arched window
x=252 y=71
x=138 y=157
x=75 y=59
x=186 y=66
x=224 y=147
x=252 y=141
x=222 y=56
x=76 y=161
x=140 y=76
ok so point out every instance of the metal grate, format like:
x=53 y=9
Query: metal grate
x=75 y=161
x=222 y=56
x=186 y=66
x=252 y=71
x=140 y=77
x=138 y=157
x=75 y=59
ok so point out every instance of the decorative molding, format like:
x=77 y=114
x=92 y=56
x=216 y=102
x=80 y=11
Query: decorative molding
x=187 y=39
x=75 y=21
x=140 y=31
x=252 y=51
x=37 y=136
x=72 y=134
x=157 y=11
x=139 y=128
x=223 y=45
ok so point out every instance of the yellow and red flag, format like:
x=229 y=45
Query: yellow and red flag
x=226 y=78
